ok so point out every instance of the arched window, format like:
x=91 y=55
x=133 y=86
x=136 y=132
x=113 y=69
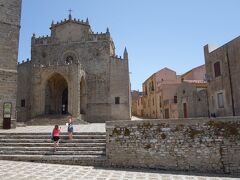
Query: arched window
x=69 y=60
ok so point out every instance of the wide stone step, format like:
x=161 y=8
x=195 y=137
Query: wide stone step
x=92 y=148
x=86 y=148
x=84 y=160
x=37 y=136
x=50 y=141
x=51 y=144
x=48 y=133
x=51 y=152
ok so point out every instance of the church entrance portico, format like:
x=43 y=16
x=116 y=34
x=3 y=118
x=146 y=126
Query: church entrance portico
x=56 y=95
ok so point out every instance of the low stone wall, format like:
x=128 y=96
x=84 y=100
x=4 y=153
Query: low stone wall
x=201 y=145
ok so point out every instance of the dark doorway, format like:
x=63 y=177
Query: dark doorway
x=166 y=113
x=65 y=101
x=185 y=110
x=56 y=95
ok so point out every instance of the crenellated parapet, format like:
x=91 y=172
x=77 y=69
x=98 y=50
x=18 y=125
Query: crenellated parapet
x=70 y=19
x=41 y=40
x=24 y=62
x=120 y=58
x=101 y=36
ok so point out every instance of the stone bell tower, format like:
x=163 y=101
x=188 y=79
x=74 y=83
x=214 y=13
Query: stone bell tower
x=10 y=14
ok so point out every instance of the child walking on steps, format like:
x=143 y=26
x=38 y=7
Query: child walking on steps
x=70 y=128
x=56 y=136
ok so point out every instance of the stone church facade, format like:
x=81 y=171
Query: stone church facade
x=74 y=71
x=10 y=14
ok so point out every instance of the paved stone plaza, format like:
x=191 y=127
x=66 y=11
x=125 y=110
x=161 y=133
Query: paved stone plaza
x=93 y=127
x=25 y=171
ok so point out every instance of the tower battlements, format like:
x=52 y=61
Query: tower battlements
x=69 y=20
x=71 y=30
x=24 y=62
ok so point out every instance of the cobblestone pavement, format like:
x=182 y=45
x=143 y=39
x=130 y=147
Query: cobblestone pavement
x=11 y=170
x=93 y=127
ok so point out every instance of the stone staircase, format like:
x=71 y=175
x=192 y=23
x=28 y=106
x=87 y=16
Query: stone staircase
x=87 y=148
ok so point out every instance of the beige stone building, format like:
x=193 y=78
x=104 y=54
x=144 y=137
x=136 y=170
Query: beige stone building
x=222 y=74
x=192 y=99
x=10 y=13
x=192 y=94
x=135 y=95
x=197 y=73
x=74 y=71
x=167 y=95
x=159 y=92
x=140 y=106
x=167 y=101
x=149 y=95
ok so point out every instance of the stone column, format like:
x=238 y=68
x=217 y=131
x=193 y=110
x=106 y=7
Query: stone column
x=10 y=11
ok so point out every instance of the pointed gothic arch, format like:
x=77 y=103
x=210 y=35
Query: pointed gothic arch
x=56 y=95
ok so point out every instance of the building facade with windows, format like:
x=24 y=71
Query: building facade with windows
x=140 y=106
x=192 y=99
x=74 y=71
x=168 y=95
x=149 y=96
x=159 y=95
x=134 y=102
x=192 y=94
x=222 y=74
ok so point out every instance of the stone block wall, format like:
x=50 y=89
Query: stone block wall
x=23 y=91
x=10 y=11
x=8 y=86
x=201 y=145
x=119 y=87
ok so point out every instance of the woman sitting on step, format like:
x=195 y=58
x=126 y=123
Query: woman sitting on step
x=56 y=134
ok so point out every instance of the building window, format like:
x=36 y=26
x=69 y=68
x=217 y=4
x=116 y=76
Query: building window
x=160 y=102
x=152 y=86
x=175 y=99
x=185 y=113
x=153 y=101
x=146 y=90
x=23 y=103
x=69 y=60
x=217 y=69
x=117 y=100
x=220 y=100
x=166 y=113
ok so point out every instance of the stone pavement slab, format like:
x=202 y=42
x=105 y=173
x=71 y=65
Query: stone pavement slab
x=10 y=170
x=93 y=127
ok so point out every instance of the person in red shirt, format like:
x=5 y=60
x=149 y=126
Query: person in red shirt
x=56 y=134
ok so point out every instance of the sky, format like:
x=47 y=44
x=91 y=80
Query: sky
x=157 y=33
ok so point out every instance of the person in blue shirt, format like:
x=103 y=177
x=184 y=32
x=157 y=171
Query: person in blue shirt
x=70 y=128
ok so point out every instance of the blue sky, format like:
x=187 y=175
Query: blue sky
x=157 y=33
